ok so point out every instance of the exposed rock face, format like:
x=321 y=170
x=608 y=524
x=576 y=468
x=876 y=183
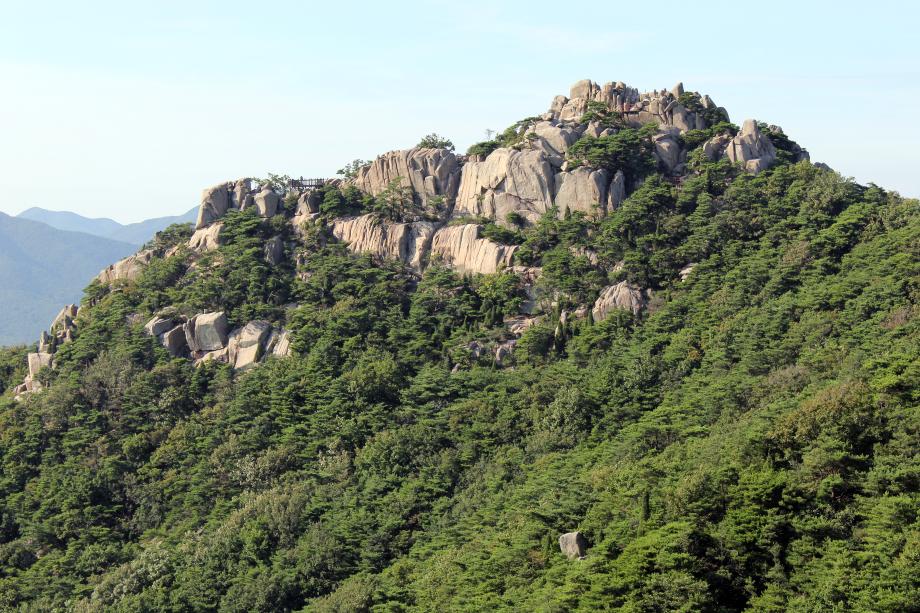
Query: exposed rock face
x=507 y=181
x=279 y=343
x=616 y=192
x=751 y=148
x=175 y=342
x=503 y=352
x=37 y=361
x=407 y=242
x=528 y=276
x=462 y=248
x=619 y=296
x=686 y=270
x=128 y=269
x=245 y=345
x=274 y=250
x=206 y=239
x=554 y=140
x=715 y=146
x=65 y=318
x=429 y=172
x=158 y=325
x=582 y=189
x=206 y=332
x=266 y=202
x=573 y=545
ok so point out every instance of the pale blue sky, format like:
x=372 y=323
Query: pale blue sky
x=127 y=110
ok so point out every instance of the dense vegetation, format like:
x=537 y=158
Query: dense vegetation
x=749 y=442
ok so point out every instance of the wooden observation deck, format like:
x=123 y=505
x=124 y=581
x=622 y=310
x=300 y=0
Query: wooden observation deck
x=305 y=184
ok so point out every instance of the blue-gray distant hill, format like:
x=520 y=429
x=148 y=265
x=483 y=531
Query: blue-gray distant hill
x=43 y=268
x=135 y=233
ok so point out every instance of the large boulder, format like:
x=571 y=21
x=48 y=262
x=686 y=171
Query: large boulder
x=215 y=201
x=667 y=151
x=266 y=202
x=582 y=189
x=206 y=332
x=623 y=295
x=507 y=181
x=175 y=341
x=407 y=242
x=573 y=545
x=158 y=325
x=463 y=249
x=245 y=345
x=127 y=269
x=206 y=239
x=751 y=148
x=429 y=172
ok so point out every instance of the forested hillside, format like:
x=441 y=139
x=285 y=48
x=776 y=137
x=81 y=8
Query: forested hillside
x=711 y=373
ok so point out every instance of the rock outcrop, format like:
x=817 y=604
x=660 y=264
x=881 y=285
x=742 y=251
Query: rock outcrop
x=573 y=545
x=623 y=295
x=127 y=269
x=507 y=181
x=159 y=325
x=463 y=249
x=751 y=148
x=407 y=242
x=220 y=198
x=429 y=172
x=206 y=332
x=662 y=107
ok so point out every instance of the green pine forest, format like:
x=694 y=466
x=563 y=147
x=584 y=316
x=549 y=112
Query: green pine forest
x=748 y=442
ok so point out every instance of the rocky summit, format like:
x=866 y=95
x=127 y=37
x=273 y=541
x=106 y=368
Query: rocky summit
x=627 y=355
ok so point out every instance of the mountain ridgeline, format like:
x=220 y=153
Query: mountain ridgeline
x=625 y=356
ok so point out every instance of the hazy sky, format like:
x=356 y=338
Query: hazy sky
x=127 y=109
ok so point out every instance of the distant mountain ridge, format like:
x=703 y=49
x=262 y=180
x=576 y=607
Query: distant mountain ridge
x=135 y=233
x=43 y=268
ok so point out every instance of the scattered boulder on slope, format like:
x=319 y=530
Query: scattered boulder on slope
x=206 y=332
x=573 y=545
x=245 y=345
x=158 y=325
x=623 y=295
x=127 y=269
